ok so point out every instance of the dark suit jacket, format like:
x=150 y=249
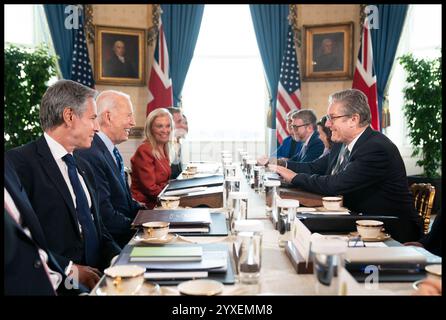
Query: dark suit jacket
x=24 y=274
x=289 y=148
x=115 y=68
x=314 y=150
x=116 y=205
x=373 y=182
x=50 y=197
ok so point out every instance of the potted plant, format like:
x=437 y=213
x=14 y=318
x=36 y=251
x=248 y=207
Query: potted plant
x=422 y=110
x=27 y=72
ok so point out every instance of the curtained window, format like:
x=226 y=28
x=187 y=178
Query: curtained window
x=26 y=25
x=421 y=36
x=225 y=93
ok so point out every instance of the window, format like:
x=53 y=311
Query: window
x=421 y=36
x=225 y=94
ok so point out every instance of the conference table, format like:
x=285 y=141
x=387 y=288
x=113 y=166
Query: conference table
x=277 y=275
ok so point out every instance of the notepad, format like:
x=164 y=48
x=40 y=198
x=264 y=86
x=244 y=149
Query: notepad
x=176 y=253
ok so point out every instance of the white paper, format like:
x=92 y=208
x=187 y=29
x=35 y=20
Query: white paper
x=375 y=244
x=301 y=236
x=184 y=191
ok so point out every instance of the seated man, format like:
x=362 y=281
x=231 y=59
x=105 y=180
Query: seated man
x=364 y=166
x=30 y=268
x=117 y=208
x=432 y=240
x=290 y=146
x=61 y=187
x=304 y=129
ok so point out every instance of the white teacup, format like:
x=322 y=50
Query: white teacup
x=156 y=229
x=124 y=279
x=332 y=203
x=369 y=229
x=170 y=202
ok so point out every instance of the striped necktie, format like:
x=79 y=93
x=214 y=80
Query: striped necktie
x=120 y=163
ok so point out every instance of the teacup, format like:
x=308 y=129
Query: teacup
x=124 y=279
x=433 y=271
x=192 y=169
x=369 y=229
x=332 y=203
x=171 y=202
x=156 y=229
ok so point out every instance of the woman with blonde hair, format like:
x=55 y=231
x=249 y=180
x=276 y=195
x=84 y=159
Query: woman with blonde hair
x=151 y=161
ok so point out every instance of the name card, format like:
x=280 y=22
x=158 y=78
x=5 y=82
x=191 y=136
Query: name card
x=301 y=237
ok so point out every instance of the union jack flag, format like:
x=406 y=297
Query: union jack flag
x=364 y=78
x=288 y=94
x=160 y=83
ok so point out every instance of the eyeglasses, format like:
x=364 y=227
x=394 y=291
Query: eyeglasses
x=331 y=118
x=294 y=127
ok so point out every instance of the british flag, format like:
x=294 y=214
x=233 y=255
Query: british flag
x=160 y=83
x=364 y=78
x=288 y=94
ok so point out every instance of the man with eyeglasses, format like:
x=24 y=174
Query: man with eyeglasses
x=304 y=129
x=364 y=166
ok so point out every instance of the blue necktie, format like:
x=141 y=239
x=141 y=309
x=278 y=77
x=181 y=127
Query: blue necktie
x=91 y=241
x=120 y=163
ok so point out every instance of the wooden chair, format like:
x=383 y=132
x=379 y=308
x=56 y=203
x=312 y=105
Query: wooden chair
x=424 y=194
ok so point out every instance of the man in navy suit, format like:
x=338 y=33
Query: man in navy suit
x=304 y=129
x=117 y=208
x=61 y=187
x=30 y=268
x=364 y=166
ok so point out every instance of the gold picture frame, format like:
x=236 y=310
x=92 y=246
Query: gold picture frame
x=120 y=56
x=328 y=52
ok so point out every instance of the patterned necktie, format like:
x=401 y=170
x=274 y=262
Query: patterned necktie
x=340 y=159
x=91 y=240
x=344 y=159
x=120 y=163
x=302 y=152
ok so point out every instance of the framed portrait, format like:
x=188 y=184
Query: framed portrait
x=119 y=56
x=328 y=52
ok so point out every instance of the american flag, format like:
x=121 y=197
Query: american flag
x=288 y=94
x=364 y=78
x=160 y=84
x=81 y=68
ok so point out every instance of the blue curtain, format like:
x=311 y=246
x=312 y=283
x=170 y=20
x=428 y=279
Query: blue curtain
x=270 y=26
x=63 y=38
x=181 y=27
x=385 y=42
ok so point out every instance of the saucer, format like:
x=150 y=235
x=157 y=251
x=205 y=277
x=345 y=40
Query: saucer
x=200 y=287
x=434 y=269
x=305 y=209
x=417 y=283
x=166 y=239
x=382 y=237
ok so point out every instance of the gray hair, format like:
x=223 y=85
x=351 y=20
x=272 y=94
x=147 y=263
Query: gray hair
x=107 y=101
x=307 y=116
x=159 y=112
x=63 y=94
x=353 y=101
x=290 y=115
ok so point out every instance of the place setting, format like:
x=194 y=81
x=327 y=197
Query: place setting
x=370 y=231
x=156 y=232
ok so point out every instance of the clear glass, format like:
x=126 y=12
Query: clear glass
x=328 y=261
x=229 y=170
x=232 y=184
x=286 y=210
x=249 y=255
x=273 y=208
x=259 y=171
x=238 y=209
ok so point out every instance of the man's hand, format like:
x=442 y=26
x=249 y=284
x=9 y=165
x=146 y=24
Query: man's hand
x=262 y=161
x=88 y=276
x=285 y=173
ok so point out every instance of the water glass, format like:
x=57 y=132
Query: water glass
x=258 y=178
x=249 y=260
x=328 y=260
x=250 y=164
x=232 y=184
x=271 y=191
x=238 y=207
x=229 y=170
x=286 y=209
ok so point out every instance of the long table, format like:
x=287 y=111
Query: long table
x=278 y=276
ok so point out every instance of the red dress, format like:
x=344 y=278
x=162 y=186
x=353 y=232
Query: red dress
x=149 y=175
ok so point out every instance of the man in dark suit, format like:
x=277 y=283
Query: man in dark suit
x=117 y=208
x=30 y=268
x=366 y=167
x=62 y=188
x=119 y=64
x=304 y=129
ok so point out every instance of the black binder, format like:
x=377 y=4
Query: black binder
x=209 y=181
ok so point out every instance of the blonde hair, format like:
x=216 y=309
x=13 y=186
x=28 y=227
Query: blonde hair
x=160 y=112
